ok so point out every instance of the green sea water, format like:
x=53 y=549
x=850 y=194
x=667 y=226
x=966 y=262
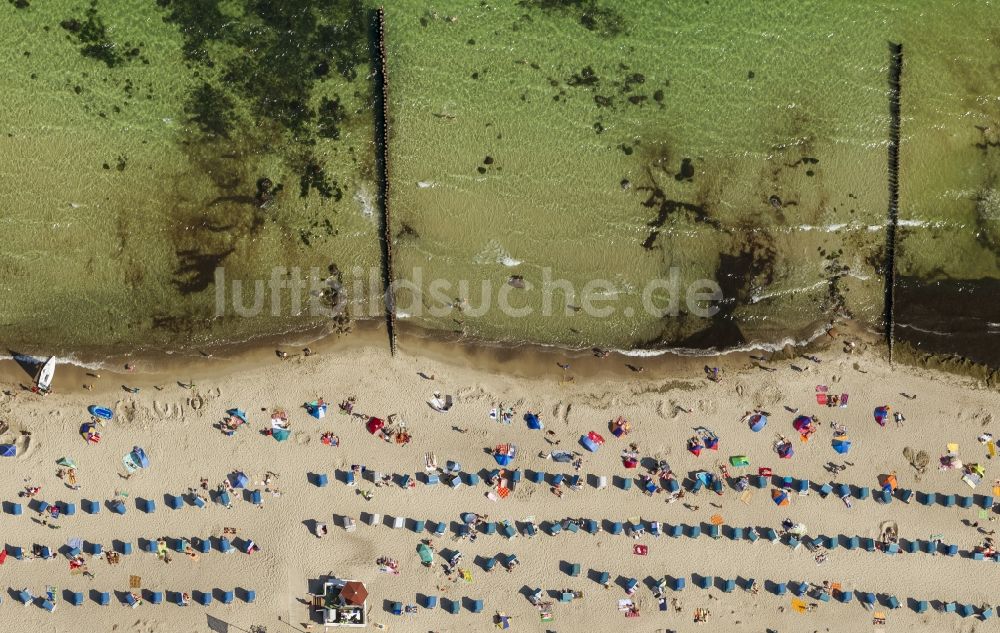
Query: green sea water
x=601 y=143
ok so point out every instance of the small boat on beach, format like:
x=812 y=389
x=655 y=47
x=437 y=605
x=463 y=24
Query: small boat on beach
x=43 y=380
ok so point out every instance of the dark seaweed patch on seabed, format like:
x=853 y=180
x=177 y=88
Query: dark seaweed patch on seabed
x=594 y=17
x=265 y=57
x=92 y=35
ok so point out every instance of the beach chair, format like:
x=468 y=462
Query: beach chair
x=616 y=528
x=714 y=531
x=703 y=582
x=557 y=479
x=928 y=547
x=574 y=570
x=174 y=502
x=965 y=502
x=454 y=606
x=440 y=528
x=825 y=490
x=456 y=482
x=476 y=606
x=131 y=600
x=868 y=544
x=824 y=596
x=780 y=589
x=225 y=546
x=800 y=589
x=904 y=494
x=950 y=607
x=694 y=531
x=398 y=523
x=433 y=479
x=124 y=548
x=631 y=585
x=14 y=509
x=507 y=528
x=892 y=602
x=892 y=548
x=148 y=506
x=571 y=526
x=419 y=525
x=977 y=556
x=198 y=501
x=852 y=543
x=591 y=526
x=911 y=547
x=535 y=476
x=654 y=528
x=227 y=597
x=793 y=541
x=736 y=534
x=986 y=502
x=555 y=528
x=490 y=563
x=695 y=487
x=759 y=481
x=626 y=483
x=69 y=509
x=602 y=482
x=396 y=608
x=249 y=596
x=752 y=535
x=951 y=550
x=929 y=498
x=203 y=545
x=675 y=531
x=529 y=527
x=75 y=598
x=863 y=492
x=987 y=612
x=729 y=585
x=678 y=584
x=473 y=479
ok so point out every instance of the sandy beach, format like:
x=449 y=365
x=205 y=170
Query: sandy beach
x=176 y=427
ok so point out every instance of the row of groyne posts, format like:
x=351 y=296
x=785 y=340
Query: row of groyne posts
x=382 y=170
x=895 y=77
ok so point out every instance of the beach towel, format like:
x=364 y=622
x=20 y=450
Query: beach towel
x=821 y=399
x=502 y=492
x=640 y=550
x=843 y=400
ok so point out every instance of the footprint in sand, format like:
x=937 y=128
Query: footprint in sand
x=302 y=439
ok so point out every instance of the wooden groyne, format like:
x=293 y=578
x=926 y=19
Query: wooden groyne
x=381 y=87
x=895 y=86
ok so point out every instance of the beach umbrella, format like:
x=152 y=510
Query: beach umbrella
x=280 y=434
x=785 y=450
x=375 y=425
x=712 y=443
x=238 y=413
x=841 y=444
x=802 y=423
x=757 y=421
x=780 y=497
x=503 y=458
x=239 y=479
x=533 y=422
x=354 y=592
